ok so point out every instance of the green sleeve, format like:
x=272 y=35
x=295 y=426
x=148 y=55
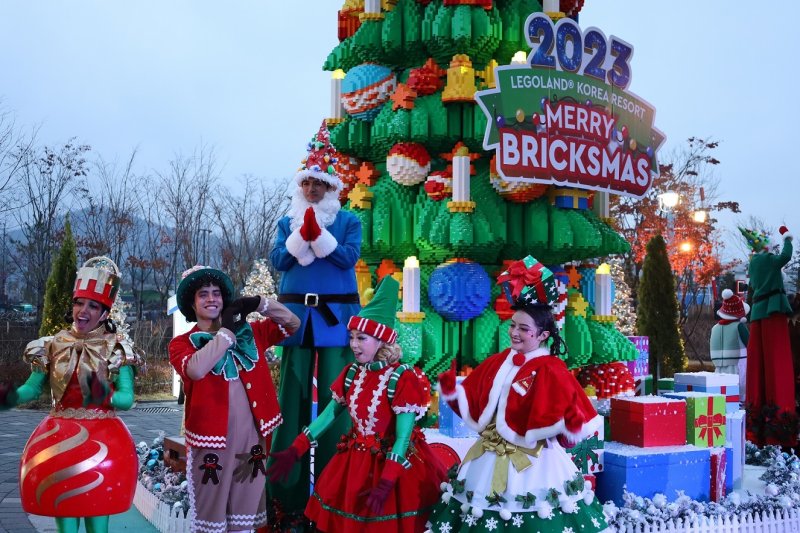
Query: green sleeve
x=123 y=394
x=786 y=252
x=744 y=333
x=325 y=419
x=403 y=428
x=28 y=391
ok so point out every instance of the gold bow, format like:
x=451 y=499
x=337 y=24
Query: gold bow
x=491 y=441
x=89 y=353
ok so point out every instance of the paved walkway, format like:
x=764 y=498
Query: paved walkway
x=144 y=421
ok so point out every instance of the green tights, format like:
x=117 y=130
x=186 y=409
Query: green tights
x=94 y=524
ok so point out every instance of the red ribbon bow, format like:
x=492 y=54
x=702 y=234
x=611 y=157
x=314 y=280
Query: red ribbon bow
x=710 y=424
x=518 y=276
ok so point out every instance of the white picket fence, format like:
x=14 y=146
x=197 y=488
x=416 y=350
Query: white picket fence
x=158 y=513
x=781 y=521
x=167 y=520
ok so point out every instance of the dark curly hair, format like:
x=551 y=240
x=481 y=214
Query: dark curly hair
x=204 y=281
x=542 y=315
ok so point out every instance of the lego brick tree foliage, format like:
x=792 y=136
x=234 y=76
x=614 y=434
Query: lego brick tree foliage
x=408 y=76
x=658 y=311
x=60 y=282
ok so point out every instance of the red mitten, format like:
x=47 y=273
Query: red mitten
x=783 y=230
x=447 y=380
x=284 y=460
x=377 y=496
x=310 y=229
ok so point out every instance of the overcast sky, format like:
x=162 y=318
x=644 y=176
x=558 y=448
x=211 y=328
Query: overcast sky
x=245 y=77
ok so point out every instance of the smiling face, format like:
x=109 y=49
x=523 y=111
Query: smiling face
x=364 y=346
x=314 y=190
x=208 y=302
x=525 y=336
x=87 y=314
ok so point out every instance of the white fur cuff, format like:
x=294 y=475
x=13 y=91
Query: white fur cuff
x=306 y=258
x=296 y=245
x=788 y=235
x=324 y=245
x=447 y=396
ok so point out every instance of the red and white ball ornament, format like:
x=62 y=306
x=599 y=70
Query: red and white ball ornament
x=408 y=163
x=439 y=185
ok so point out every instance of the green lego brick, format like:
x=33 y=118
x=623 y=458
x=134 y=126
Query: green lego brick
x=578 y=339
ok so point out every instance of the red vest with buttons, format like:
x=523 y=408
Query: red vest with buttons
x=207 y=398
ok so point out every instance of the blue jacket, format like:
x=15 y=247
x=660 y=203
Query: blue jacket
x=333 y=274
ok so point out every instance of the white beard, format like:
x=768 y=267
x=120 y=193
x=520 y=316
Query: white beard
x=326 y=210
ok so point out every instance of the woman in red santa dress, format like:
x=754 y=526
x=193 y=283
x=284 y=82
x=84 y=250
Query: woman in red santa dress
x=80 y=462
x=384 y=477
x=522 y=402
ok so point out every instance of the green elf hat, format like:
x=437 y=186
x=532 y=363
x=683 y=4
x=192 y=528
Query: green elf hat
x=377 y=317
x=196 y=277
x=757 y=241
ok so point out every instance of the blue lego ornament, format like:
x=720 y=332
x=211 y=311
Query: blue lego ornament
x=459 y=290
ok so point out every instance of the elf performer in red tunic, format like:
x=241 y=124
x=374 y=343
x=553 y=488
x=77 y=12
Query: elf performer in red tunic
x=771 y=416
x=231 y=407
x=384 y=477
x=522 y=401
x=81 y=462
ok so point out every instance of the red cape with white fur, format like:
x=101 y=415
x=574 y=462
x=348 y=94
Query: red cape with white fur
x=536 y=400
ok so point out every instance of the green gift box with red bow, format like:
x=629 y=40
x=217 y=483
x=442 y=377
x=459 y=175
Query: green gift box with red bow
x=529 y=279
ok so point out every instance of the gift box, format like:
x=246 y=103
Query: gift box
x=641 y=366
x=529 y=272
x=175 y=453
x=450 y=424
x=644 y=385
x=705 y=379
x=728 y=469
x=718 y=473
x=570 y=198
x=588 y=453
x=667 y=470
x=648 y=421
x=735 y=435
x=705 y=418
x=666 y=385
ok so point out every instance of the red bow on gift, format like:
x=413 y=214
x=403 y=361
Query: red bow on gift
x=710 y=425
x=518 y=276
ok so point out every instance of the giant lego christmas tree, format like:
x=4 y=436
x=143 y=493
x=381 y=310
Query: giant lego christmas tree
x=473 y=133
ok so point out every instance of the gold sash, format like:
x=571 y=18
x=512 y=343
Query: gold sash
x=491 y=441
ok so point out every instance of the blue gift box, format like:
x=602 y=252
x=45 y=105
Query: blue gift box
x=650 y=471
x=728 y=469
x=451 y=424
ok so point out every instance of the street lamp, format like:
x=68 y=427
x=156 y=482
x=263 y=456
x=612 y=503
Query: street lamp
x=700 y=216
x=668 y=200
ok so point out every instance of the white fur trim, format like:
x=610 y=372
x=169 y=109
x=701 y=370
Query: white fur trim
x=330 y=179
x=445 y=395
x=496 y=409
x=418 y=410
x=788 y=235
x=325 y=244
x=307 y=258
x=296 y=245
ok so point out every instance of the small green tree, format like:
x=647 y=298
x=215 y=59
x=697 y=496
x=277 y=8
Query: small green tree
x=60 y=282
x=658 y=311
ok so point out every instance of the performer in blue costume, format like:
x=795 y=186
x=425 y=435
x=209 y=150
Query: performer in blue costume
x=316 y=250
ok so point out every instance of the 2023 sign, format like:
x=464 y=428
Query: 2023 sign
x=589 y=53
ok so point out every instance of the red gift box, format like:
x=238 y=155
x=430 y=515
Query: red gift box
x=718 y=465
x=648 y=421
